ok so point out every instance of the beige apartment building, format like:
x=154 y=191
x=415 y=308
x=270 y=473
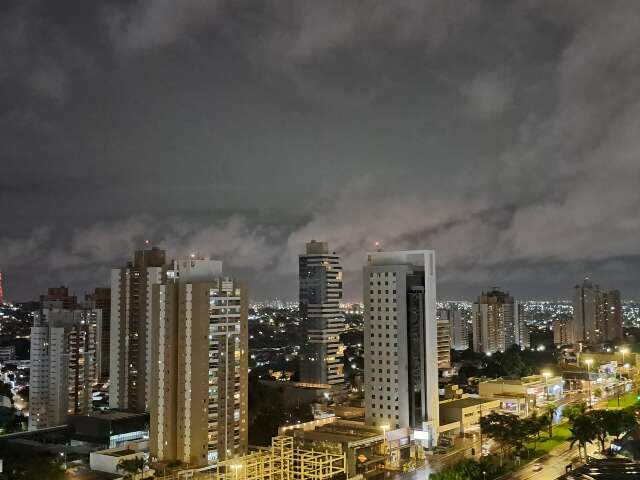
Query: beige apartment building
x=199 y=353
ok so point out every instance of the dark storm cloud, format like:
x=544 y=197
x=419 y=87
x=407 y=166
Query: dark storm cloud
x=502 y=134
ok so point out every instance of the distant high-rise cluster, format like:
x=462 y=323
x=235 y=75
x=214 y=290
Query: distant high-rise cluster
x=597 y=314
x=498 y=323
x=1 y=290
x=320 y=275
x=400 y=339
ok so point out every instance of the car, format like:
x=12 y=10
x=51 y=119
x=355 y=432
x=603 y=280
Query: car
x=537 y=467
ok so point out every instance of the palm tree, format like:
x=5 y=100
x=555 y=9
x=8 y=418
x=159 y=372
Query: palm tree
x=583 y=431
x=551 y=411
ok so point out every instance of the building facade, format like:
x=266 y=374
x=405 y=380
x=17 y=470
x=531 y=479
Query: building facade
x=563 y=331
x=129 y=338
x=597 y=314
x=444 y=344
x=63 y=367
x=100 y=299
x=199 y=318
x=497 y=323
x=320 y=275
x=401 y=350
x=459 y=333
x=585 y=307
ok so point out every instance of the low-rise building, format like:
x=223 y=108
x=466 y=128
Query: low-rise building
x=536 y=389
x=111 y=460
x=364 y=446
x=466 y=411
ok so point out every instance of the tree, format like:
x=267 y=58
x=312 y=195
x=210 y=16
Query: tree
x=551 y=411
x=531 y=428
x=597 y=392
x=132 y=466
x=470 y=469
x=618 y=422
x=21 y=462
x=599 y=418
x=583 y=431
x=573 y=411
x=508 y=430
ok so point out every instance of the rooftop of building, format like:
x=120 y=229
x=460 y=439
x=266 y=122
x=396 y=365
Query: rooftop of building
x=118 y=453
x=335 y=430
x=466 y=402
x=114 y=415
x=531 y=379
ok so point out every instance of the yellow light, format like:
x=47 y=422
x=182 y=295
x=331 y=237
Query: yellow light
x=624 y=350
x=589 y=361
x=546 y=374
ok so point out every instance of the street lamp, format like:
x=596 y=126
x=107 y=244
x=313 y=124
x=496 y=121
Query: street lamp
x=546 y=383
x=384 y=435
x=64 y=455
x=623 y=351
x=589 y=361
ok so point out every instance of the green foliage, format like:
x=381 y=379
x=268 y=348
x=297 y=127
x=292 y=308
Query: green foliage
x=22 y=463
x=470 y=469
x=132 y=466
x=573 y=411
x=583 y=430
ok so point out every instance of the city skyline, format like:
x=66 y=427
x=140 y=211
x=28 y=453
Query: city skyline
x=487 y=132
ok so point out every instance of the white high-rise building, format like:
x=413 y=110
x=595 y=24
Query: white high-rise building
x=401 y=350
x=198 y=391
x=63 y=365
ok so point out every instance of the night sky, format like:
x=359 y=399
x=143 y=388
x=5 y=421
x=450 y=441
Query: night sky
x=503 y=134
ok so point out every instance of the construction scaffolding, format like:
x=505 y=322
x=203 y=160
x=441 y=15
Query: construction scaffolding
x=279 y=462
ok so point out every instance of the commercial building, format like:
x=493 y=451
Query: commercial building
x=400 y=340
x=63 y=368
x=7 y=352
x=459 y=333
x=535 y=389
x=108 y=429
x=497 y=323
x=129 y=330
x=466 y=412
x=320 y=276
x=100 y=299
x=58 y=298
x=198 y=320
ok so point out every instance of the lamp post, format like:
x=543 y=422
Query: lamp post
x=589 y=361
x=623 y=351
x=546 y=384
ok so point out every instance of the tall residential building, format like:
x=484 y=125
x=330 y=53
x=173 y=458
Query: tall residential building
x=563 y=331
x=521 y=334
x=100 y=299
x=458 y=330
x=444 y=344
x=198 y=380
x=63 y=368
x=585 y=308
x=610 y=316
x=320 y=276
x=1 y=290
x=401 y=349
x=497 y=324
x=130 y=337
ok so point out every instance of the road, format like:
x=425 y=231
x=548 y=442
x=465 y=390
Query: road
x=554 y=463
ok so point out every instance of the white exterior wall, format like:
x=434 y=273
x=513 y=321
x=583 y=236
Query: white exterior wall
x=386 y=341
x=116 y=370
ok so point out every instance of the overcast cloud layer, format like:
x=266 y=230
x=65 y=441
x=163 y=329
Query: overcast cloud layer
x=505 y=135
